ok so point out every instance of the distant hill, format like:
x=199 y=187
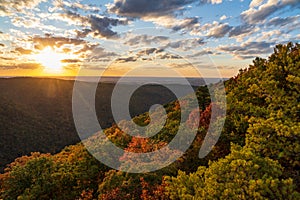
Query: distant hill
x=36 y=113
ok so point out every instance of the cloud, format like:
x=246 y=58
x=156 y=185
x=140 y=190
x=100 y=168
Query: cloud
x=7 y=67
x=66 y=50
x=171 y=22
x=277 y=21
x=30 y=21
x=29 y=65
x=74 y=6
x=218 y=30
x=168 y=56
x=258 y=11
x=6 y=58
x=5 y=36
x=72 y=66
x=248 y=49
x=20 y=66
x=126 y=59
x=87 y=48
x=52 y=41
x=157 y=53
x=185 y=44
x=244 y=57
x=210 y=1
x=71 y=17
x=153 y=8
x=11 y=7
x=180 y=65
x=71 y=61
x=223 y=17
x=101 y=27
x=200 y=53
x=146 y=39
x=273 y=35
x=83 y=33
x=186 y=24
x=61 y=44
x=255 y=3
x=161 y=12
x=144 y=8
x=149 y=51
x=99 y=54
x=96 y=26
x=23 y=51
x=148 y=55
x=244 y=29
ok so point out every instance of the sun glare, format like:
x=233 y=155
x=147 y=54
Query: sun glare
x=50 y=60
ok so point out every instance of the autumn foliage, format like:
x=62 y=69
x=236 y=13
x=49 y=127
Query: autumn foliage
x=256 y=157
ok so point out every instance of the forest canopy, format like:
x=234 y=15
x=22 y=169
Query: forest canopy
x=256 y=157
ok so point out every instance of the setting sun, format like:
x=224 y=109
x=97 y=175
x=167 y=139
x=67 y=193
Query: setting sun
x=51 y=60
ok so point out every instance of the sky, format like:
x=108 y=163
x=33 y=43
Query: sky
x=209 y=38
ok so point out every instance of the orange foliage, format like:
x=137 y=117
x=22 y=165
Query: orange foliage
x=153 y=192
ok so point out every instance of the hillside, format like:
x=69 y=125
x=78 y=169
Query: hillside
x=256 y=157
x=36 y=113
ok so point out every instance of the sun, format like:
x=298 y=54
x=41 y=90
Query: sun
x=51 y=60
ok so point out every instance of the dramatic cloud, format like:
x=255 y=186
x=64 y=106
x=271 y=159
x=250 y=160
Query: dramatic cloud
x=218 y=30
x=171 y=22
x=85 y=34
x=10 y=66
x=255 y=3
x=200 y=53
x=75 y=6
x=168 y=56
x=97 y=26
x=126 y=59
x=51 y=41
x=241 y=30
x=144 y=8
x=180 y=65
x=6 y=58
x=210 y=1
x=258 y=12
x=87 y=48
x=30 y=21
x=71 y=61
x=248 y=49
x=149 y=51
x=146 y=39
x=23 y=51
x=160 y=12
x=78 y=47
x=148 y=55
x=186 y=44
x=186 y=24
x=101 y=27
x=277 y=21
x=29 y=66
x=100 y=54
x=11 y=7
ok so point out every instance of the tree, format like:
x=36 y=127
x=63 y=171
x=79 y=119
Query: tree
x=240 y=175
